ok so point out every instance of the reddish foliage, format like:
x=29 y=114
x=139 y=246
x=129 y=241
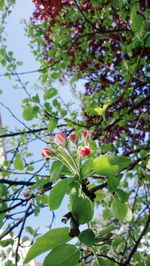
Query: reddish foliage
x=106 y=73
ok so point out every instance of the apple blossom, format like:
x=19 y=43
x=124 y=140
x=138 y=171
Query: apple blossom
x=25 y=196
x=84 y=151
x=86 y=134
x=46 y=153
x=60 y=138
x=73 y=137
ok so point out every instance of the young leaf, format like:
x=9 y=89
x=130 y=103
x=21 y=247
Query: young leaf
x=82 y=207
x=121 y=211
x=87 y=237
x=100 y=195
x=29 y=112
x=103 y=262
x=18 y=164
x=65 y=255
x=55 y=170
x=6 y=242
x=3 y=190
x=2 y=3
x=86 y=169
x=109 y=164
x=106 y=230
x=50 y=240
x=52 y=124
x=57 y=194
x=122 y=195
x=113 y=183
x=137 y=20
x=49 y=93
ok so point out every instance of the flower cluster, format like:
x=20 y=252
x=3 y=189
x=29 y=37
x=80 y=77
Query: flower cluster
x=69 y=151
x=60 y=139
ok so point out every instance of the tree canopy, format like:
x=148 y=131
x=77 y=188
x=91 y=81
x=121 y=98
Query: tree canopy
x=97 y=151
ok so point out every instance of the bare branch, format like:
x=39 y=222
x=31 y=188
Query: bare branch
x=20 y=232
x=14 y=226
x=16 y=183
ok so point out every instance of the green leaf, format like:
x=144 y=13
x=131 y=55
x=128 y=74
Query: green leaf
x=147 y=42
x=100 y=195
x=137 y=20
x=18 y=164
x=55 y=170
x=24 y=239
x=103 y=262
x=49 y=93
x=121 y=211
x=2 y=3
x=36 y=98
x=44 y=199
x=29 y=229
x=3 y=190
x=106 y=230
x=57 y=194
x=86 y=169
x=129 y=215
x=10 y=263
x=52 y=124
x=30 y=112
x=87 y=237
x=50 y=240
x=65 y=255
x=113 y=183
x=30 y=168
x=82 y=207
x=109 y=164
x=56 y=75
x=7 y=242
x=99 y=111
x=122 y=195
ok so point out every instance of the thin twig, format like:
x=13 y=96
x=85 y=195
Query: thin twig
x=14 y=226
x=137 y=242
x=20 y=232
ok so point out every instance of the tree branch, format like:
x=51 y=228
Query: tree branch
x=94 y=189
x=31 y=131
x=20 y=232
x=16 y=183
x=12 y=207
x=20 y=173
x=137 y=242
x=14 y=226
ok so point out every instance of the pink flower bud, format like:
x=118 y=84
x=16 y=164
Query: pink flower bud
x=46 y=153
x=73 y=137
x=86 y=134
x=60 y=138
x=25 y=196
x=84 y=151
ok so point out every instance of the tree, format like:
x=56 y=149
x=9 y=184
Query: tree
x=98 y=155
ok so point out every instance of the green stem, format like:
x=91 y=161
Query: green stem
x=96 y=257
x=73 y=160
x=64 y=161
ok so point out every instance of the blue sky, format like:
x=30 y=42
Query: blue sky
x=18 y=43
